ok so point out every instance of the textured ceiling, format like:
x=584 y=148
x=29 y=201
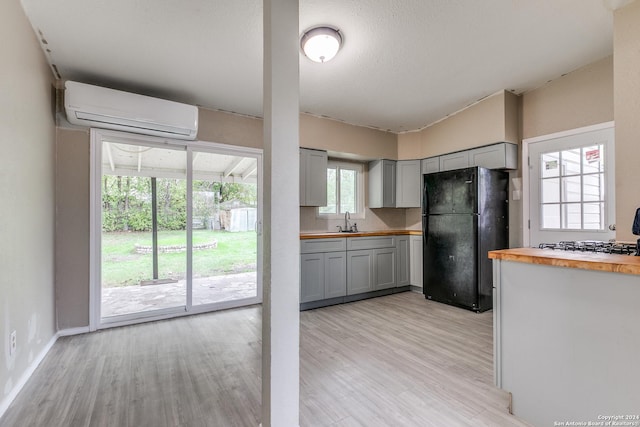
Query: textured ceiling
x=404 y=64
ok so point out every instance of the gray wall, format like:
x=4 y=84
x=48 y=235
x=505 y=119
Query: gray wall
x=27 y=197
x=626 y=39
x=581 y=98
x=72 y=228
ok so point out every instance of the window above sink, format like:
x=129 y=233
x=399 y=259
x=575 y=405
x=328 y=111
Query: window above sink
x=345 y=191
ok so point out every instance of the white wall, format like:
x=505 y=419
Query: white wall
x=626 y=48
x=26 y=198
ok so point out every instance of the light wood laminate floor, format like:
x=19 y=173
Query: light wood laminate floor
x=397 y=360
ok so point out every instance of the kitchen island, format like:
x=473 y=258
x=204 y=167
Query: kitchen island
x=567 y=335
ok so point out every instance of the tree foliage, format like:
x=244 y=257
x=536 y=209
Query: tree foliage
x=126 y=201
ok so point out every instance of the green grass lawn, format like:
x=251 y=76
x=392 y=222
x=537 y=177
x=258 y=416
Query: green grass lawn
x=122 y=266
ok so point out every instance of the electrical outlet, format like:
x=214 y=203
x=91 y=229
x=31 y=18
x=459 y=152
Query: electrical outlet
x=12 y=343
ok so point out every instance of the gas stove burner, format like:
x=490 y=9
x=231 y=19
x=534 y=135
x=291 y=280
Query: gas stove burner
x=592 y=246
x=549 y=246
x=623 y=248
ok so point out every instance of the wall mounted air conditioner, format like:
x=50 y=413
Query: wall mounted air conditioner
x=96 y=106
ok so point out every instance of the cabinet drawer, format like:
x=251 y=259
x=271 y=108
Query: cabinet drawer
x=312 y=246
x=374 y=242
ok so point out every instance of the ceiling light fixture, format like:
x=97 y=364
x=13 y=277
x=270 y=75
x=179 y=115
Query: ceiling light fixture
x=320 y=44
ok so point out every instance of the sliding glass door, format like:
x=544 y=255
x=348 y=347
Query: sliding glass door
x=143 y=228
x=175 y=227
x=225 y=221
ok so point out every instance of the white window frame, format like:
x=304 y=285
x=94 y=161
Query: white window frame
x=359 y=168
x=96 y=321
x=564 y=204
x=526 y=206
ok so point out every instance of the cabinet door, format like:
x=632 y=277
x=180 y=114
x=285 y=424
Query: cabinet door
x=312 y=279
x=454 y=161
x=335 y=274
x=316 y=179
x=402 y=260
x=359 y=271
x=389 y=184
x=382 y=184
x=408 y=183
x=303 y=177
x=415 y=263
x=313 y=177
x=384 y=263
x=430 y=165
x=496 y=156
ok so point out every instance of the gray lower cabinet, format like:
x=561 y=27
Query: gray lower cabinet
x=403 y=249
x=360 y=271
x=371 y=264
x=312 y=268
x=416 y=263
x=333 y=268
x=335 y=274
x=384 y=268
x=323 y=276
x=323 y=269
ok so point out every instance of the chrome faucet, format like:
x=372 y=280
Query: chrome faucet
x=348 y=228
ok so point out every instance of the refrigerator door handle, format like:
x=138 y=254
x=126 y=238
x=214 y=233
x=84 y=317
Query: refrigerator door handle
x=425 y=205
x=425 y=228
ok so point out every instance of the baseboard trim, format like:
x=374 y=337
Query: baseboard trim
x=73 y=331
x=6 y=402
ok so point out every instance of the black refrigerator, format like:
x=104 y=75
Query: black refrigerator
x=465 y=215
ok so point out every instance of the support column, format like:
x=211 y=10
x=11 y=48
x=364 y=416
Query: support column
x=154 y=226
x=626 y=110
x=281 y=237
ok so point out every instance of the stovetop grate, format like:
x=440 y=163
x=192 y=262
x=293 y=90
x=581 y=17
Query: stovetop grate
x=592 y=246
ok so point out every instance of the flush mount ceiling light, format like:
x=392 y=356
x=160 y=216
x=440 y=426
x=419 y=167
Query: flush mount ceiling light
x=320 y=44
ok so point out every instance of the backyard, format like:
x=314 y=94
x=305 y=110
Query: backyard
x=123 y=266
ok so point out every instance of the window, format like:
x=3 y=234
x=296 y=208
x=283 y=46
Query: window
x=345 y=190
x=572 y=188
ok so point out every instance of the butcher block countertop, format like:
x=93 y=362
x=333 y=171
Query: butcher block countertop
x=333 y=235
x=612 y=263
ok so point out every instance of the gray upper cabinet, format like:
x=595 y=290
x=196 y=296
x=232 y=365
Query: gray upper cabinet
x=430 y=165
x=313 y=177
x=382 y=184
x=453 y=161
x=496 y=156
x=503 y=155
x=408 y=179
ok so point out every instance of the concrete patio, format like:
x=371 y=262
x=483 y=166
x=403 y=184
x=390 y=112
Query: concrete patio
x=132 y=299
